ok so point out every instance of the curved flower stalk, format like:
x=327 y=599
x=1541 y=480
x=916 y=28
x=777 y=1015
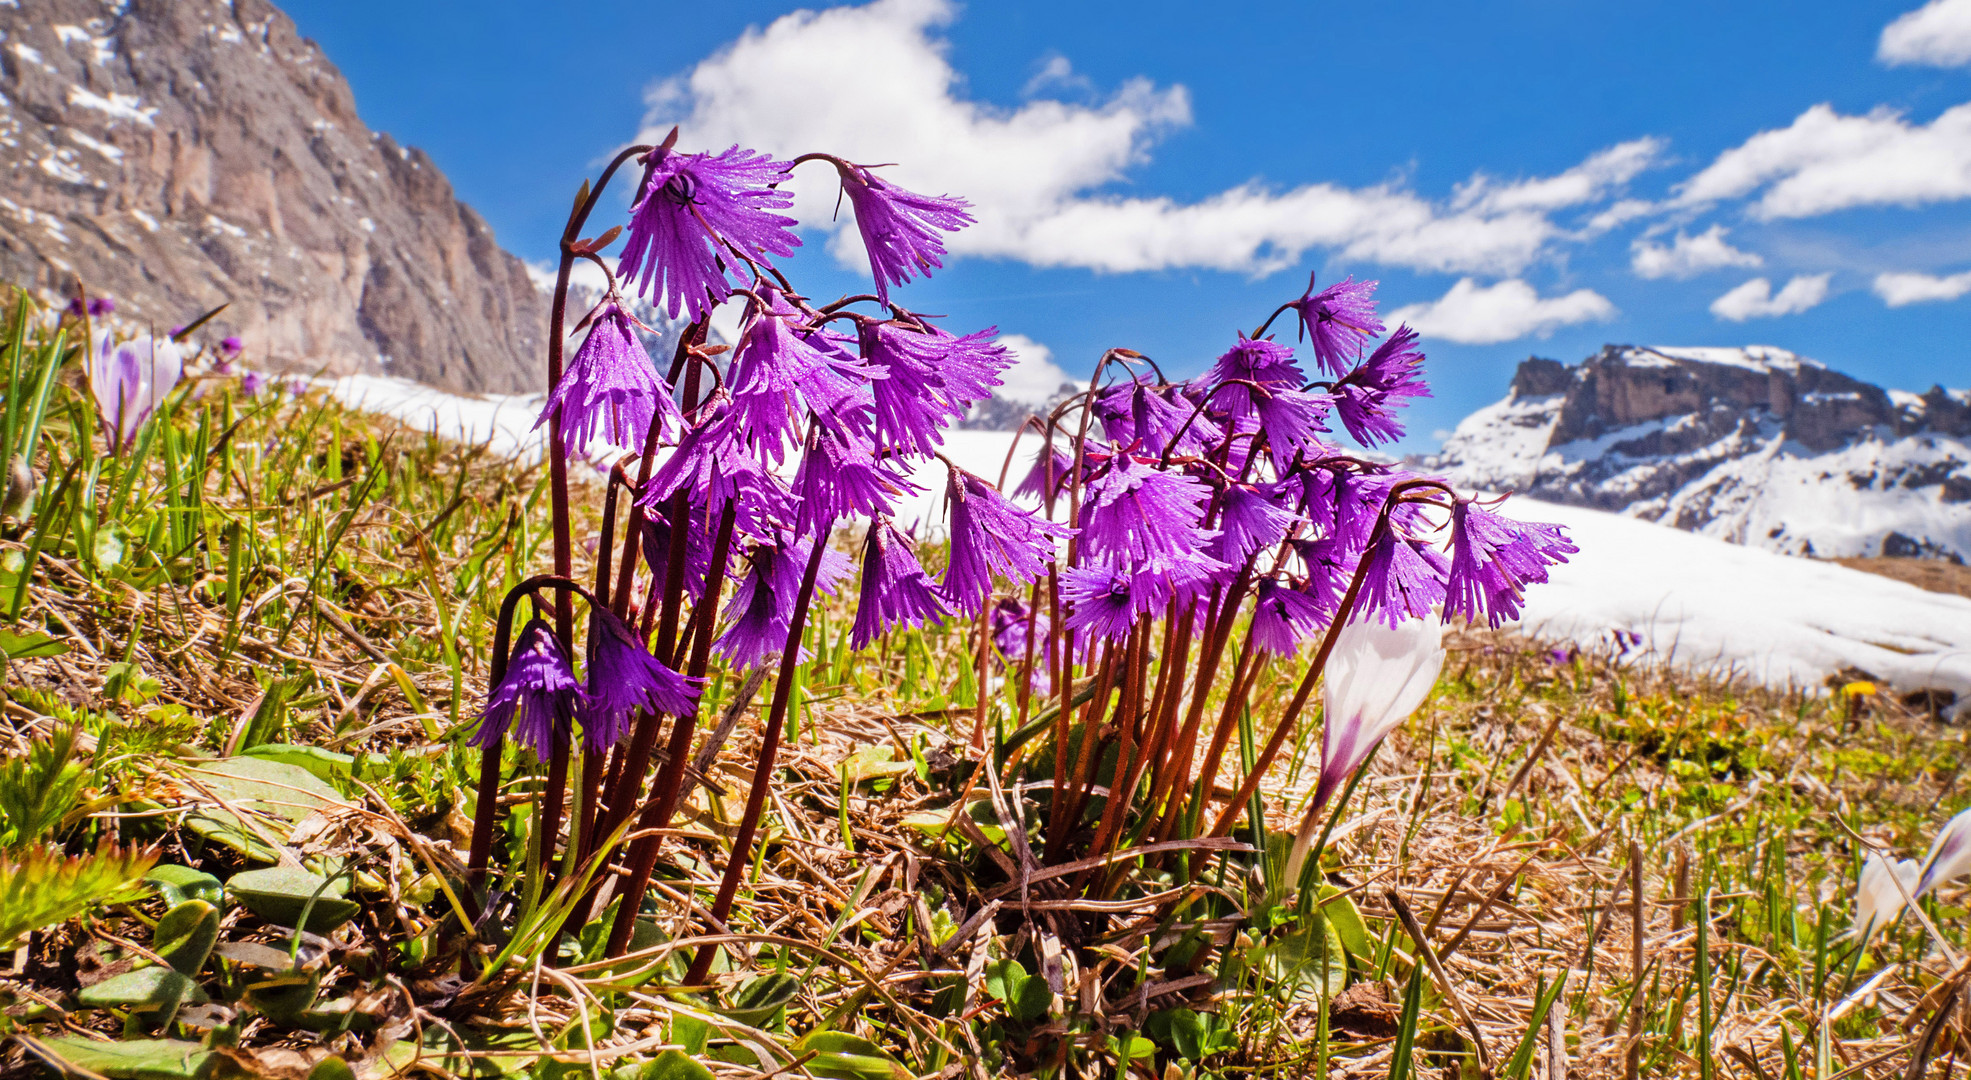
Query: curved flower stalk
x=537 y=700
x=901 y=230
x=129 y=380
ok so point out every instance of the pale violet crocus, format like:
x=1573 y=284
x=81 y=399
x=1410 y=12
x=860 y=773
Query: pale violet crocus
x=1884 y=888
x=129 y=380
x=1950 y=854
x=1375 y=678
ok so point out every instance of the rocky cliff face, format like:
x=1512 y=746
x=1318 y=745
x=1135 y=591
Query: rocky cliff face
x=1755 y=445
x=180 y=154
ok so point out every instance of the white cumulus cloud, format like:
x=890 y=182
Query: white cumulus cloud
x=1048 y=179
x=1034 y=376
x=1824 y=161
x=1937 y=33
x=1688 y=256
x=1901 y=289
x=1475 y=314
x=1756 y=300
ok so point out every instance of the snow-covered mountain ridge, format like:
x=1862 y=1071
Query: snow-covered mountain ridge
x=1755 y=445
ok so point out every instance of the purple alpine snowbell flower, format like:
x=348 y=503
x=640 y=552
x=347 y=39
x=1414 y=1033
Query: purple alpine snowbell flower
x=538 y=697
x=1248 y=520
x=252 y=383
x=841 y=478
x=691 y=207
x=622 y=678
x=1367 y=396
x=1291 y=420
x=1012 y=623
x=1257 y=360
x=611 y=388
x=895 y=589
x=1405 y=578
x=1048 y=475
x=930 y=379
x=231 y=346
x=1106 y=601
x=992 y=536
x=762 y=607
x=715 y=465
x=697 y=547
x=1338 y=320
x=900 y=229
x=1139 y=413
x=780 y=373
x=1146 y=518
x=1493 y=559
x=1282 y=618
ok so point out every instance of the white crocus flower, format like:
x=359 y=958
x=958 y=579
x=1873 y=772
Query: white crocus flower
x=1878 y=899
x=1950 y=854
x=130 y=380
x=1376 y=676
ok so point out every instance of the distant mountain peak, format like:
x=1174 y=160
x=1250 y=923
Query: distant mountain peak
x=1756 y=445
x=180 y=154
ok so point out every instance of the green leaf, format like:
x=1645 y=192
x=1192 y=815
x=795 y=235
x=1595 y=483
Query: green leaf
x=28 y=646
x=1346 y=920
x=674 y=1065
x=144 y=990
x=757 y=1001
x=839 y=1056
x=874 y=762
x=331 y=1068
x=41 y=887
x=1003 y=979
x=286 y=895
x=130 y=1059
x=326 y=764
x=690 y=1033
x=273 y=791
x=1032 y=1000
x=185 y=935
x=178 y=884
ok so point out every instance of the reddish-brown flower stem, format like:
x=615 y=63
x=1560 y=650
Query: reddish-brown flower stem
x=749 y=822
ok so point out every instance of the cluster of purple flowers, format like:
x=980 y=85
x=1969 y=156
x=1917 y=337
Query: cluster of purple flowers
x=815 y=423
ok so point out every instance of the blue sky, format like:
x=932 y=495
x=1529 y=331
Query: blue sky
x=1523 y=177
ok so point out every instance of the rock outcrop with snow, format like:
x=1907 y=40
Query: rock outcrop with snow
x=179 y=154
x=1754 y=445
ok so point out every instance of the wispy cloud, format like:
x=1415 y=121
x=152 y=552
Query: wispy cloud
x=1903 y=289
x=1048 y=178
x=1938 y=33
x=1824 y=161
x=1688 y=256
x=1475 y=314
x=1756 y=300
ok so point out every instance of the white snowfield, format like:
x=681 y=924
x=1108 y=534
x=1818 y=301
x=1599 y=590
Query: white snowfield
x=1699 y=602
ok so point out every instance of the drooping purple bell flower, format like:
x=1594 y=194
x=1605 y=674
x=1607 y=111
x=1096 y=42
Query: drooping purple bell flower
x=1146 y=518
x=1106 y=600
x=1404 y=579
x=656 y=543
x=622 y=678
x=1338 y=320
x=692 y=206
x=251 y=383
x=1282 y=618
x=931 y=379
x=1292 y=420
x=1248 y=519
x=901 y=230
x=762 y=607
x=537 y=699
x=840 y=478
x=779 y=375
x=231 y=346
x=715 y=464
x=895 y=589
x=1493 y=559
x=1139 y=413
x=1367 y=396
x=1255 y=360
x=1049 y=473
x=992 y=536
x=611 y=388
x=1014 y=624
